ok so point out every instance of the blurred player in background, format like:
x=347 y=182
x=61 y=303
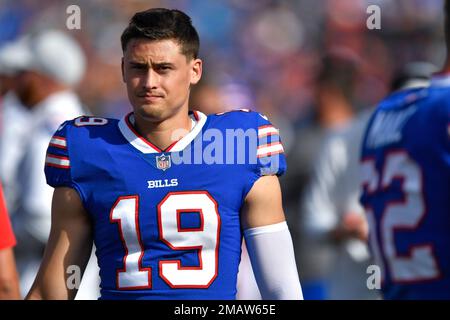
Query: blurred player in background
x=165 y=229
x=405 y=188
x=333 y=215
x=43 y=68
x=9 y=280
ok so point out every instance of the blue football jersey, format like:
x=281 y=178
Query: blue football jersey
x=406 y=191
x=166 y=222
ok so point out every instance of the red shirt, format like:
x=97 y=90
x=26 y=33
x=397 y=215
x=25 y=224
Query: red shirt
x=7 y=238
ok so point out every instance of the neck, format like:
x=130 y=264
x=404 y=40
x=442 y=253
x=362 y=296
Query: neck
x=164 y=133
x=335 y=110
x=336 y=117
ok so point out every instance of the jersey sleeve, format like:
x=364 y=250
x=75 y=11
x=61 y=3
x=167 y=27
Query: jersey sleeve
x=7 y=239
x=447 y=141
x=57 y=160
x=442 y=124
x=270 y=152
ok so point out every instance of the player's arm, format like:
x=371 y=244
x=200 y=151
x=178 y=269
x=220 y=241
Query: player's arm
x=269 y=241
x=70 y=243
x=9 y=281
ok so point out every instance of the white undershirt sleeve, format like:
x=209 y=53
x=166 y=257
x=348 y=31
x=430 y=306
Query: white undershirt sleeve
x=272 y=255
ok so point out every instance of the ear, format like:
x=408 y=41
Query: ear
x=123 y=70
x=196 y=71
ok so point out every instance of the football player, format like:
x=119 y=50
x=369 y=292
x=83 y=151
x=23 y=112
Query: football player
x=405 y=188
x=165 y=193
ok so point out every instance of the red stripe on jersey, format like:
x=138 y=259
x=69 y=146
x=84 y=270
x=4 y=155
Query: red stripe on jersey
x=269 y=144
x=266 y=126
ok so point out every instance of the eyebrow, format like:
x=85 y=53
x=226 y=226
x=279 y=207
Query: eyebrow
x=158 y=64
x=163 y=64
x=136 y=63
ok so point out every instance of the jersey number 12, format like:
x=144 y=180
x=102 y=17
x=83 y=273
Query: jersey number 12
x=405 y=214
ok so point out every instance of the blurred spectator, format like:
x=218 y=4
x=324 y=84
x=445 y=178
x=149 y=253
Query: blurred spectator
x=46 y=66
x=9 y=280
x=334 y=111
x=270 y=46
x=332 y=219
x=11 y=56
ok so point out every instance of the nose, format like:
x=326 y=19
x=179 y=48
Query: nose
x=151 y=79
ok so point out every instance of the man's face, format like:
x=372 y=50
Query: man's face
x=28 y=87
x=158 y=78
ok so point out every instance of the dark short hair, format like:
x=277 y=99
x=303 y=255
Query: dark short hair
x=340 y=70
x=163 y=24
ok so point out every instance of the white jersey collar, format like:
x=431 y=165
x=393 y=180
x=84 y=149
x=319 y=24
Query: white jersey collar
x=126 y=127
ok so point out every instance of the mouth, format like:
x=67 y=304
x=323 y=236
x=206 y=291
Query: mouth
x=150 y=97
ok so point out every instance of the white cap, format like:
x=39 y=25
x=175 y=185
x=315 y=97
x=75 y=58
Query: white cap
x=51 y=52
x=13 y=57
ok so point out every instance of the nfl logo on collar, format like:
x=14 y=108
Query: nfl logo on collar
x=163 y=162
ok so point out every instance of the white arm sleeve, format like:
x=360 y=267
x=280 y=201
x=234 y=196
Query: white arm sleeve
x=272 y=255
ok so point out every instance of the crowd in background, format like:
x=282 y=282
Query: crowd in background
x=260 y=53
x=310 y=66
